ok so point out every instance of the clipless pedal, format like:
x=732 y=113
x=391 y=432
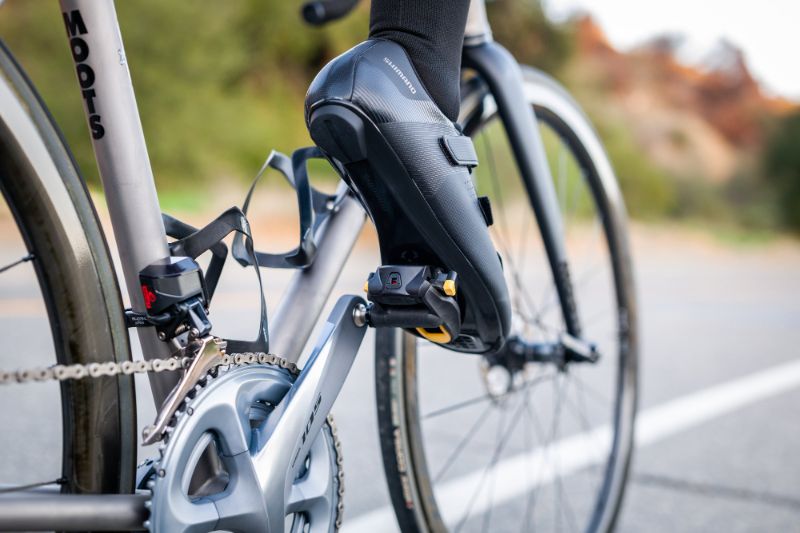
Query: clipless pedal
x=421 y=299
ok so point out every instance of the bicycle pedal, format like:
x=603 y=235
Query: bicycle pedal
x=421 y=299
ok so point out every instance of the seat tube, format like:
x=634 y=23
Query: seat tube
x=119 y=147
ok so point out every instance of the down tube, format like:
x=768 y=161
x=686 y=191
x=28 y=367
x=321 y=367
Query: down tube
x=121 y=153
x=498 y=68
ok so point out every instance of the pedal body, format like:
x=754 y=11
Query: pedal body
x=421 y=299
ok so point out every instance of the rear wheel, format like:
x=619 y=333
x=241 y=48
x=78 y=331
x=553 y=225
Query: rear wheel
x=503 y=444
x=83 y=434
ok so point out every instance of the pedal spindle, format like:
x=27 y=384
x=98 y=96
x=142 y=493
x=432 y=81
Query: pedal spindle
x=418 y=298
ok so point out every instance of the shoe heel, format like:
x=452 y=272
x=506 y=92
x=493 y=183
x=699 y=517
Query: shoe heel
x=339 y=132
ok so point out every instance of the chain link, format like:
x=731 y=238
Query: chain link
x=171 y=364
x=127 y=368
x=337 y=446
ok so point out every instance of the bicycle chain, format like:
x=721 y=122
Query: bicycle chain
x=127 y=368
x=171 y=364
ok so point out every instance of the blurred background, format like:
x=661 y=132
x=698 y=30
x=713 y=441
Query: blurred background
x=697 y=132
x=698 y=105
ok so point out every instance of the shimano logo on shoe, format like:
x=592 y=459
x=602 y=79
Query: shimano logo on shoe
x=400 y=73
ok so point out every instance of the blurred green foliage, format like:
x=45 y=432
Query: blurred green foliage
x=649 y=193
x=220 y=84
x=522 y=27
x=782 y=169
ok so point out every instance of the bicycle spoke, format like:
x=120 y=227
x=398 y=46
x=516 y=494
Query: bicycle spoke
x=481 y=418
x=474 y=495
x=484 y=397
x=537 y=426
x=487 y=516
x=464 y=441
x=562 y=179
x=557 y=392
x=528 y=516
x=56 y=482
x=581 y=193
x=538 y=322
x=597 y=394
x=580 y=283
x=590 y=275
x=503 y=237
x=502 y=440
x=549 y=300
x=596 y=241
x=523 y=251
x=456 y=406
x=29 y=257
x=579 y=411
x=583 y=415
x=566 y=508
x=598 y=317
x=496 y=189
x=526 y=226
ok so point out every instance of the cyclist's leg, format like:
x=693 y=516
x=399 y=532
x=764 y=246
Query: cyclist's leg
x=432 y=33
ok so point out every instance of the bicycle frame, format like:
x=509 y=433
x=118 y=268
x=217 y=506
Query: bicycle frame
x=127 y=177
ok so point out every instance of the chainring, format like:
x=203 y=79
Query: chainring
x=222 y=420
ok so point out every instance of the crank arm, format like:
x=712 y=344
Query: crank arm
x=285 y=441
x=208 y=355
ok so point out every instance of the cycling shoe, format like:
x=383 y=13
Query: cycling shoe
x=410 y=166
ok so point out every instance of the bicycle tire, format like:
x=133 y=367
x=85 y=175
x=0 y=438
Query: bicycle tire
x=406 y=467
x=55 y=216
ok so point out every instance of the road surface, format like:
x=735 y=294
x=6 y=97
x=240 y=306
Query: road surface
x=719 y=429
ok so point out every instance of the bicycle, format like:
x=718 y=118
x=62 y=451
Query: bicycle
x=245 y=440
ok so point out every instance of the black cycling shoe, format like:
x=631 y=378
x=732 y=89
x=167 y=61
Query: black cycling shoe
x=411 y=168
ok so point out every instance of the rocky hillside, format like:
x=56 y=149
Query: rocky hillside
x=693 y=122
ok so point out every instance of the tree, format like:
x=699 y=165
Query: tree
x=782 y=169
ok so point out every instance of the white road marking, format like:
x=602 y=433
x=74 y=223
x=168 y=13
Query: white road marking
x=579 y=451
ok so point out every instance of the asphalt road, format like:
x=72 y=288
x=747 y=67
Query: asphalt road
x=720 y=390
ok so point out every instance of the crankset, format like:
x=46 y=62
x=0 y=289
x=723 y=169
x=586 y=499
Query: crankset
x=265 y=429
x=229 y=418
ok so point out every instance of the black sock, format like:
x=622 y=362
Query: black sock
x=432 y=32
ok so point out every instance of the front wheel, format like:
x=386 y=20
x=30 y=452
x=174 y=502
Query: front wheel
x=481 y=443
x=60 y=304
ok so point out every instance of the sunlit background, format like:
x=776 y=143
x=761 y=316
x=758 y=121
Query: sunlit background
x=694 y=101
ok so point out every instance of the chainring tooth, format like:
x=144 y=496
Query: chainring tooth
x=127 y=368
x=231 y=362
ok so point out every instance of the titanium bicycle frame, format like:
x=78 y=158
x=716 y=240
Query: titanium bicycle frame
x=129 y=187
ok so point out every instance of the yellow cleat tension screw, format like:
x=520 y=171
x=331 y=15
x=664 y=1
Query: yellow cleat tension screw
x=449 y=287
